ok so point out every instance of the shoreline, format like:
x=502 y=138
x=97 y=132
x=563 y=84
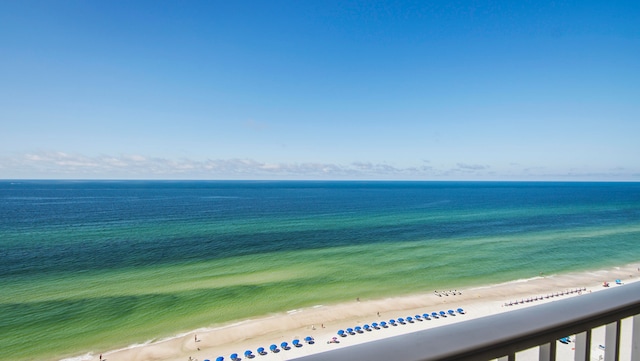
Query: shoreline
x=323 y=321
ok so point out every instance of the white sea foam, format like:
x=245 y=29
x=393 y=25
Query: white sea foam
x=85 y=357
x=520 y=280
x=88 y=356
x=196 y=331
x=136 y=345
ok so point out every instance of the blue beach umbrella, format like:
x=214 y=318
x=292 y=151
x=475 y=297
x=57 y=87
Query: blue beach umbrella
x=418 y=317
x=426 y=316
x=375 y=325
x=309 y=340
x=248 y=354
x=409 y=319
x=341 y=333
x=367 y=327
x=461 y=311
x=296 y=343
x=350 y=331
x=434 y=315
x=393 y=322
x=273 y=348
x=443 y=314
x=451 y=312
x=358 y=329
x=383 y=324
x=261 y=350
x=401 y=320
x=220 y=358
x=284 y=345
x=234 y=357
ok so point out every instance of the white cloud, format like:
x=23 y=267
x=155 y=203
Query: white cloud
x=63 y=165
x=466 y=166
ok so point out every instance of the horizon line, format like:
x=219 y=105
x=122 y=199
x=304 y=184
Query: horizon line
x=317 y=180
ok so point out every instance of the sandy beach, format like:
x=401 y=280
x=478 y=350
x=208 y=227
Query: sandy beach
x=323 y=321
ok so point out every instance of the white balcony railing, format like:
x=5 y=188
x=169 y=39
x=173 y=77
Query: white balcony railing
x=503 y=335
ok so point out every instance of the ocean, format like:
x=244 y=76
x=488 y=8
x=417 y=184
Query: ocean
x=92 y=266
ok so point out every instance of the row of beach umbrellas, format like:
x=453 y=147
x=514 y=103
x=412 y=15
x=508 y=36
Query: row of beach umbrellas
x=540 y=298
x=399 y=321
x=343 y=333
x=273 y=348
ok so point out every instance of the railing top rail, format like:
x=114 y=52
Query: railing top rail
x=497 y=335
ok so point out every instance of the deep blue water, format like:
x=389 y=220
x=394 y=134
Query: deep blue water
x=58 y=226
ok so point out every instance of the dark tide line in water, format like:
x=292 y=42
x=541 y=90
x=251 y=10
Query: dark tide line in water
x=84 y=260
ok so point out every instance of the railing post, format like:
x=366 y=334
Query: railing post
x=583 y=346
x=547 y=352
x=612 y=341
x=635 y=339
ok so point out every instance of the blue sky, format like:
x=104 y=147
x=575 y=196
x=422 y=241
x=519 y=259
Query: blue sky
x=406 y=90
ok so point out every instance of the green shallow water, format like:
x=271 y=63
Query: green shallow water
x=117 y=308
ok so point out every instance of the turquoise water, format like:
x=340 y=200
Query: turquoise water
x=95 y=266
